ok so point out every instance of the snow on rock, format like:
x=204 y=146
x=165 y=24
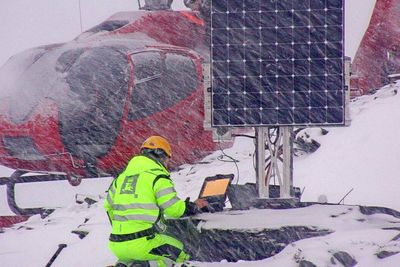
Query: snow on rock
x=348 y=231
x=34 y=242
x=362 y=156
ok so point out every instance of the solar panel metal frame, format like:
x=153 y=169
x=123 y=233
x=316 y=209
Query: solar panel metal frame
x=246 y=112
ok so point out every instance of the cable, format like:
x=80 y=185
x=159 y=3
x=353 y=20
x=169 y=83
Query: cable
x=243 y=135
x=235 y=161
x=231 y=159
x=220 y=158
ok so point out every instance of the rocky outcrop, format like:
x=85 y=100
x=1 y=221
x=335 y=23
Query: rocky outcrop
x=213 y=245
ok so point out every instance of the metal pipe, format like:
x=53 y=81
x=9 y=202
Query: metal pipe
x=287 y=181
x=262 y=184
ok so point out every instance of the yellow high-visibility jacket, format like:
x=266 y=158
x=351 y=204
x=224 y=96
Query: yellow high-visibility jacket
x=140 y=195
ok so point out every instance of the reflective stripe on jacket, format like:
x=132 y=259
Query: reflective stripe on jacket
x=139 y=194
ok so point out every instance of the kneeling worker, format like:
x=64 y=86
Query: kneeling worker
x=136 y=202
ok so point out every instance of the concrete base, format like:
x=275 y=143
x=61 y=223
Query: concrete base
x=276 y=203
x=243 y=197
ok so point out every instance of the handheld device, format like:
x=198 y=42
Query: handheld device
x=214 y=190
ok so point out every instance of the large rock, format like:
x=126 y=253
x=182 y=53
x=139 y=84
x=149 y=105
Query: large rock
x=214 y=245
x=305 y=263
x=384 y=254
x=344 y=258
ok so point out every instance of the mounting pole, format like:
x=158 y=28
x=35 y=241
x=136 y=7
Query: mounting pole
x=262 y=185
x=281 y=161
x=286 y=190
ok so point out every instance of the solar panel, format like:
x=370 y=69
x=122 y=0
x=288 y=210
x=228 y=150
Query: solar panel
x=277 y=62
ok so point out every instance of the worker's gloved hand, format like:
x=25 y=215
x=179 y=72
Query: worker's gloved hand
x=193 y=208
x=204 y=206
x=201 y=203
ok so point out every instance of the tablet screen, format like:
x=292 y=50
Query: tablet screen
x=215 y=187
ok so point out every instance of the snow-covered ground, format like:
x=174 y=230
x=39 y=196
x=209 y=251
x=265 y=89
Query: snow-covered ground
x=363 y=157
x=362 y=236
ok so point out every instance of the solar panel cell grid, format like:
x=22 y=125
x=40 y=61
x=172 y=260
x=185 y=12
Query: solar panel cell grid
x=277 y=62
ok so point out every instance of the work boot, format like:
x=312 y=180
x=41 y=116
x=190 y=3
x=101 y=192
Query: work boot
x=139 y=264
x=185 y=264
x=133 y=264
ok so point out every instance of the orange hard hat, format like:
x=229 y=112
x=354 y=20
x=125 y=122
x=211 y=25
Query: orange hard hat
x=157 y=142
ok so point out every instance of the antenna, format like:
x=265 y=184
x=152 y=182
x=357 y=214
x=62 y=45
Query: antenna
x=342 y=199
x=80 y=15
